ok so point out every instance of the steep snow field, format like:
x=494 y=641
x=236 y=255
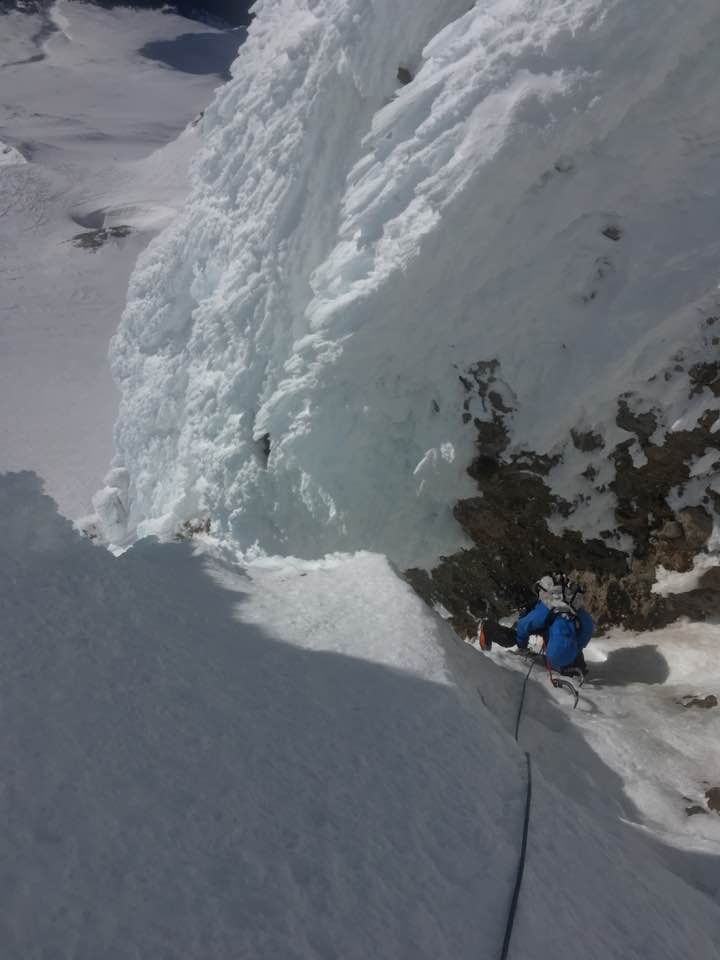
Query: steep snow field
x=207 y=760
x=543 y=193
x=83 y=123
x=642 y=712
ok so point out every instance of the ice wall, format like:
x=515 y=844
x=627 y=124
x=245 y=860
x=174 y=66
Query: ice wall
x=290 y=356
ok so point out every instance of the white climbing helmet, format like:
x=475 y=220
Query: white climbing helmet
x=559 y=593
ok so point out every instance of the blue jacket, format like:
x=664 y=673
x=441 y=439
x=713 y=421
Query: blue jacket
x=565 y=637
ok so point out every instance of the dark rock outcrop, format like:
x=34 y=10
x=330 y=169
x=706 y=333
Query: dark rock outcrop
x=404 y=75
x=613 y=232
x=94 y=239
x=702 y=703
x=508 y=519
x=642 y=492
x=587 y=440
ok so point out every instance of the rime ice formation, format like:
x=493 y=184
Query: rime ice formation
x=542 y=193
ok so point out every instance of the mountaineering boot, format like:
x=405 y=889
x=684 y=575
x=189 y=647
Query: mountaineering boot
x=491 y=632
x=577 y=666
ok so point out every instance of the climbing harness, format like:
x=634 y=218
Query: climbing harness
x=559 y=682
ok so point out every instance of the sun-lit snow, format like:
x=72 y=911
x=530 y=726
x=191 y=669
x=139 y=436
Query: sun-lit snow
x=289 y=759
x=9 y=156
x=85 y=130
x=672 y=581
x=543 y=192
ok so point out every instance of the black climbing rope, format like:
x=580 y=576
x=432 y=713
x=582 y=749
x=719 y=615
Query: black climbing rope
x=521 y=865
x=522 y=698
x=526 y=825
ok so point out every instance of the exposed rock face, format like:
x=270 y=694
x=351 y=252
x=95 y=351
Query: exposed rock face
x=706 y=375
x=515 y=545
x=702 y=703
x=587 y=440
x=642 y=492
x=404 y=75
x=713 y=798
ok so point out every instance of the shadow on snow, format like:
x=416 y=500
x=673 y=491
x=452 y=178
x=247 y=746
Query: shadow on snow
x=198 y=53
x=179 y=782
x=630 y=665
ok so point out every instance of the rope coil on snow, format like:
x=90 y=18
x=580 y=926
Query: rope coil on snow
x=526 y=825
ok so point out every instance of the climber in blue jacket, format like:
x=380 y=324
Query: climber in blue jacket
x=557 y=616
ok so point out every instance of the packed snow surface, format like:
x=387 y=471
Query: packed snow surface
x=635 y=712
x=88 y=129
x=542 y=193
x=294 y=759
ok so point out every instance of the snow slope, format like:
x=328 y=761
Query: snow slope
x=289 y=358
x=204 y=760
x=639 y=711
x=643 y=684
x=84 y=123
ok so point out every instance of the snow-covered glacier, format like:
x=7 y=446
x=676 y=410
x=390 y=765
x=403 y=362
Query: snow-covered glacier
x=389 y=194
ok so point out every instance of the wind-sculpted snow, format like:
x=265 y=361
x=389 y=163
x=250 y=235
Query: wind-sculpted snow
x=542 y=193
x=9 y=156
